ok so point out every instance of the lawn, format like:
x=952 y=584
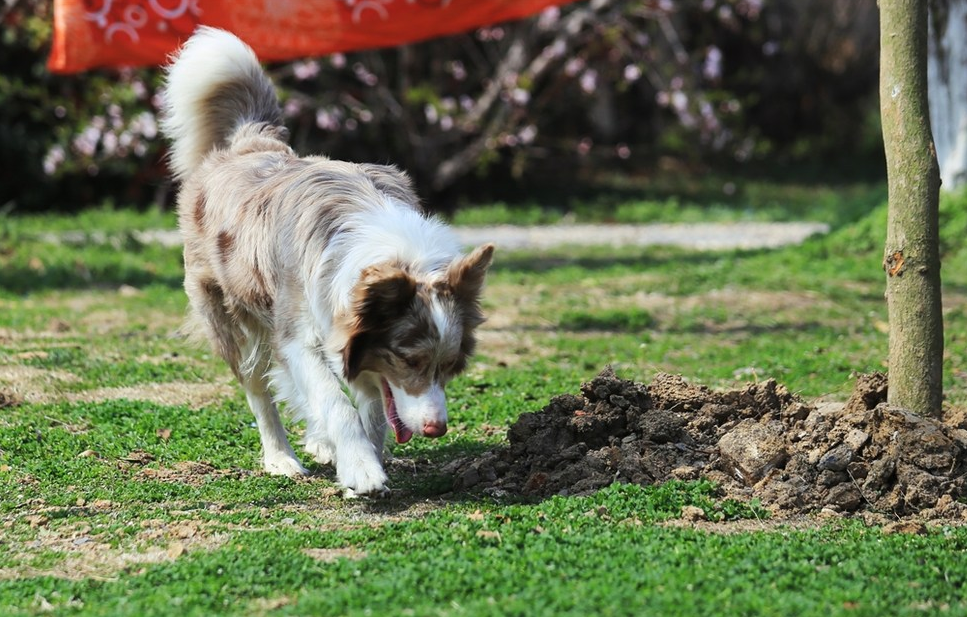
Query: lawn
x=129 y=462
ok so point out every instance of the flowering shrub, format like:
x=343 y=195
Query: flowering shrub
x=597 y=84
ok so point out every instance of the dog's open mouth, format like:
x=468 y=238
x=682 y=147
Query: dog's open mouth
x=403 y=434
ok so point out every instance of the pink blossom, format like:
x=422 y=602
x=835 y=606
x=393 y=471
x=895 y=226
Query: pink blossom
x=55 y=156
x=327 y=120
x=292 y=107
x=139 y=89
x=527 y=134
x=148 y=124
x=712 y=67
x=574 y=66
x=305 y=70
x=364 y=75
x=520 y=96
x=549 y=18
x=457 y=69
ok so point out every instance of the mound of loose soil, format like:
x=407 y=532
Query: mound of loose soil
x=756 y=442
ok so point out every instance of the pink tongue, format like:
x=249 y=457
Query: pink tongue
x=403 y=434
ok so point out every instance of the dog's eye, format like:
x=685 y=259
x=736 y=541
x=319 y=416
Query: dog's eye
x=409 y=361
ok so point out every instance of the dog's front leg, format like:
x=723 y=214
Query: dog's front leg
x=332 y=418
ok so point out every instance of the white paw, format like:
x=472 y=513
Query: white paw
x=362 y=478
x=283 y=464
x=322 y=452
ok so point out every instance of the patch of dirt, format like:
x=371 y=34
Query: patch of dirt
x=759 y=441
x=332 y=555
x=193 y=473
x=88 y=554
x=195 y=395
x=28 y=384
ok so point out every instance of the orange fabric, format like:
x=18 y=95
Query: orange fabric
x=98 y=33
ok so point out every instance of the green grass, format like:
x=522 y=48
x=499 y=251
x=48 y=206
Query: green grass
x=689 y=198
x=135 y=506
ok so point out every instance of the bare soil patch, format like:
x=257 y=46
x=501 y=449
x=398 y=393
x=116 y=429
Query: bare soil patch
x=195 y=395
x=91 y=554
x=26 y=384
x=758 y=442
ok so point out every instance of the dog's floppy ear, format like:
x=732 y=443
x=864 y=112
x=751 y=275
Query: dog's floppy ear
x=465 y=276
x=383 y=293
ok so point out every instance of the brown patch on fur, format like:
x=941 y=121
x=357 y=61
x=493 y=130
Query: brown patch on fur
x=466 y=276
x=225 y=243
x=199 y=211
x=263 y=205
x=262 y=297
x=211 y=310
x=464 y=282
x=382 y=295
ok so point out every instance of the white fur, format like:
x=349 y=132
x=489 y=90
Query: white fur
x=444 y=322
x=219 y=57
x=389 y=233
x=417 y=411
x=335 y=431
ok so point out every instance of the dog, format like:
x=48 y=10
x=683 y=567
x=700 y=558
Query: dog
x=316 y=279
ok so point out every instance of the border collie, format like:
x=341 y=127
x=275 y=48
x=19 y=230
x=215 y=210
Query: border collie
x=321 y=280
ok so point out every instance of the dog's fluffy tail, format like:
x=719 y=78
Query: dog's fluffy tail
x=215 y=85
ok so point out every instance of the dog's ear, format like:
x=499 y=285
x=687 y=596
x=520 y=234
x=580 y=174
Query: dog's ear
x=464 y=280
x=384 y=292
x=465 y=276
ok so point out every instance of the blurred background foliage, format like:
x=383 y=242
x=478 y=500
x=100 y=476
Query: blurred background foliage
x=568 y=98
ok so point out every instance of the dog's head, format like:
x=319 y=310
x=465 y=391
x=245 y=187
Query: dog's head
x=415 y=335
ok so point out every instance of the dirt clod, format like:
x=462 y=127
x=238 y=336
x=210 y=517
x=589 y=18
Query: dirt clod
x=758 y=441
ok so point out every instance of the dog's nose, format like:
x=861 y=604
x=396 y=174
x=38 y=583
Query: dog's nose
x=435 y=429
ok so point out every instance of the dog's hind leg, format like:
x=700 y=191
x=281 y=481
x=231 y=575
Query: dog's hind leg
x=278 y=456
x=210 y=315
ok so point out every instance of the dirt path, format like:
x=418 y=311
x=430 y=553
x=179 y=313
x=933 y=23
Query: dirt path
x=697 y=236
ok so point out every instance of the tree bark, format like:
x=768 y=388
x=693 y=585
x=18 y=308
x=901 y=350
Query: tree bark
x=912 y=252
x=947 y=79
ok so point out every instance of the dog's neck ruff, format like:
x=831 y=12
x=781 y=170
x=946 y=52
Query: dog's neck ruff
x=387 y=233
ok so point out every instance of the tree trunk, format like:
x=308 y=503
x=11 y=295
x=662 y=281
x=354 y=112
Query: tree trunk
x=947 y=78
x=912 y=255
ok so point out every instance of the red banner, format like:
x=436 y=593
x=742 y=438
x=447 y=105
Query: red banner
x=98 y=33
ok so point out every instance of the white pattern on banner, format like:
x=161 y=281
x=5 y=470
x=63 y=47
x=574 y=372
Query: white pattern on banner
x=380 y=7
x=136 y=17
